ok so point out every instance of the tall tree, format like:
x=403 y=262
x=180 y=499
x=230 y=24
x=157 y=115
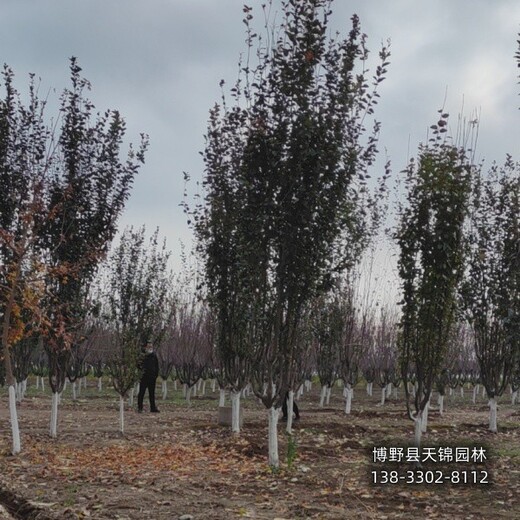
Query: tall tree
x=90 y=189
x=491 y=289
x=431 y=262
x=285 y=200
x=136 y=305
x=65 y=186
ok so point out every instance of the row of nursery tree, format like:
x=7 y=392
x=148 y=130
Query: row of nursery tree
x=287 y=211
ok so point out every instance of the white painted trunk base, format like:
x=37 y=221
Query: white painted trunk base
x=322 y=396
x=100 y=384
x=383 y=395
x=329 y=391
x=122 y=414
x=441 y=404
x=164 y=388
x=235 y=412
x=493 y=415
x=418 y=430
x=222 y=397
x=290 y=403
x=54 y=415
x=273 y=415
x=14 y=421
x=424 y=425
x=348 y=399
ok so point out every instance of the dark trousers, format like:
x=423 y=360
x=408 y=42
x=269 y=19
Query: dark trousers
x=146 y=384
x=295 y=407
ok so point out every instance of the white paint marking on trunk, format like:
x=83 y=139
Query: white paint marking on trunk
x=14 y=420
x=273 y=415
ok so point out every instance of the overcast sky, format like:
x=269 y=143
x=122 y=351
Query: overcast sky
x=160 y=61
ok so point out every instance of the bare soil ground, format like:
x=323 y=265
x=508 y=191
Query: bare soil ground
x=180 y=462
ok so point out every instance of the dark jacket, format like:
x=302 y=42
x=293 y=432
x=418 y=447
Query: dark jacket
x=150 y=366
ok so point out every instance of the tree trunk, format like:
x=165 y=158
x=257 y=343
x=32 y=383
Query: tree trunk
x=424 y=425
x=235 y=411
x=348 y=399
x=14 y=421
x=493 y=415
x=222 y=397
x=514 y=395
x=418 y=429
x=322 y=395
x=475 y=392
x=100 y=384
x=9 y=377
x=54 y=415
x=290 y=405
x=329 y=391
x=164 y=385
x=213 y=385
x=188 y=394
x=122 y=414
x=389 y=390
x=203 y=391
x=74 y=391
x=441 y=404
x=383 y=395
x=274 y=461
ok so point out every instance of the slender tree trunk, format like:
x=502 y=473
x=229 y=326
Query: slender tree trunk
x=273 y=415
x=14 y=421
x=322 y=395
x=514 y=395
x=188 y=394
x=424 y=425
x=383 y=395
x=329 y=391
x=222 y=397
x=389 y=390
x=74 y=397
x=235 y=411
x=122 y=414
x=100 y=384
x=418 y=429
x=54 y=415
x=9 y=377
x=441 y=404
x=475 y=392
x=213 y=385
x=348 y=399
x=493 y=415
x=290 y=405
x=462 y=391
x=164 y=385
x=203 y=391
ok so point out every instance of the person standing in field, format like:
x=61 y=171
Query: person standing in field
x=150 y=367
